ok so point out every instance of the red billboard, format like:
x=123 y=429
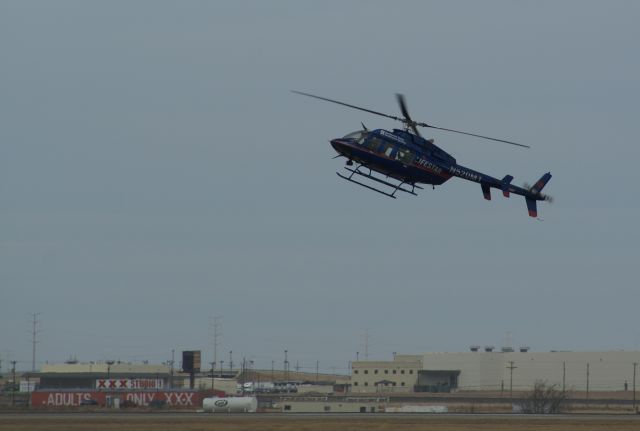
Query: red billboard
x=76 y=398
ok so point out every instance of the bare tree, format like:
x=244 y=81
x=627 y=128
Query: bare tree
x=543 y=399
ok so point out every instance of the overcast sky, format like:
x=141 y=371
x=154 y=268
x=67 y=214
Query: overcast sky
x=156 y=170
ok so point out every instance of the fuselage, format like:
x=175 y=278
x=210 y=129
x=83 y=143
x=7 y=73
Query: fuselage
x=414 y=160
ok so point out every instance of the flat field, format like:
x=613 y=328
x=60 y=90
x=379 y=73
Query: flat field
x=384 y=422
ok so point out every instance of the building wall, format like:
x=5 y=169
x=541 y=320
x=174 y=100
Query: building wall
x=608 y=371
x=399 y=375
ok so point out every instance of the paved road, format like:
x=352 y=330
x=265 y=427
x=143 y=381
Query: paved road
x=315 y=416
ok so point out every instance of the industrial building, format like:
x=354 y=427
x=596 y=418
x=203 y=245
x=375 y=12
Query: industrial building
x=486 y=369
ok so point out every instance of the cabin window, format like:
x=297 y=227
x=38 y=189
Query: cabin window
x=357 y=136
x=405 y=156
x=373 y=143
x=388 y=150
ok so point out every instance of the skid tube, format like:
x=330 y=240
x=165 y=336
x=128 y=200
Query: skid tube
x=371 y=177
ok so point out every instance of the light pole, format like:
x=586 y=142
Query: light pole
x=172 y=362
x=635 y=365
x=109 y=364
x=13 y=382
x=221 y=364
x=213 y=369
x=286 y=369
x=231 y=362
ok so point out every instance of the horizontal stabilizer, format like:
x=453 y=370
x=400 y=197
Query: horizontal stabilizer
x=506 y=181
x=532 y=207
x=539 y=185
x=486 y=191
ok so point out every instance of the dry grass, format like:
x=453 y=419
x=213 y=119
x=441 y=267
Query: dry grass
x=298 y=423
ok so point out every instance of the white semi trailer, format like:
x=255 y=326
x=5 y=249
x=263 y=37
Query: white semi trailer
x=230 y=405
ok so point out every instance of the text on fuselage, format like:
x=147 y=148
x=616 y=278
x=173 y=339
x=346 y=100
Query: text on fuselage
x=462 y=173
x=429 y=165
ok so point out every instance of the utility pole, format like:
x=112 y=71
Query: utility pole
x=587 y=381
x=231 y=361
x=13 y=385
x=216 y=333
x=173 y=352
x=564 y=373
x=34 y=340
x=213 y=370
x=635 y=365
x=286 y=366
x=511 y=367
x=242 y=372
x=297 y=367
x=273 y=363
x=318 y=369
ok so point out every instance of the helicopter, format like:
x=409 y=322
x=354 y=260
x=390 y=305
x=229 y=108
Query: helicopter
x=404 y=156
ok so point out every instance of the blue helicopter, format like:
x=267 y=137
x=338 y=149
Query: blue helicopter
x=411 y=160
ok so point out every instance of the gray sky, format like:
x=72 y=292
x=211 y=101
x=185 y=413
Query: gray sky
x=155 y=170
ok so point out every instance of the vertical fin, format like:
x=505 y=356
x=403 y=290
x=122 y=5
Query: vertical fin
x=532 y=207
x=486 y=191
x=506 y=181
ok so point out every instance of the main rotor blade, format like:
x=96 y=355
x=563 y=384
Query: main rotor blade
x=403 y=107
x=348 y=105
x=405 y=112
x=473 y=134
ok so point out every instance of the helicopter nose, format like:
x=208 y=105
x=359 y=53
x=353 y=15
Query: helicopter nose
x=339 y=145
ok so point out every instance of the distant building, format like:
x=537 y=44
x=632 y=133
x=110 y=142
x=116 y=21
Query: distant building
x=117 y=375
x=494 y=371
x=398 y=375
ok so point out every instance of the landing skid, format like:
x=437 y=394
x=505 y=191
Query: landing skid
x=391 y=194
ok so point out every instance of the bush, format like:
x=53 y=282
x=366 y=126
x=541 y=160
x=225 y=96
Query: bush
x=543 y=399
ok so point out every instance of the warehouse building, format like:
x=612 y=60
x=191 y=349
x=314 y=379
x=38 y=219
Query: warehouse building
x=497 y=370
x=398 y=375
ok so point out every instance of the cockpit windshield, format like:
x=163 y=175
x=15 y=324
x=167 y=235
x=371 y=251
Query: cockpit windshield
x=358 y=136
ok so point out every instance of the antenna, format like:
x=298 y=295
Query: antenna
x=215 y=328
x=34 y=334
x=365 y=341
